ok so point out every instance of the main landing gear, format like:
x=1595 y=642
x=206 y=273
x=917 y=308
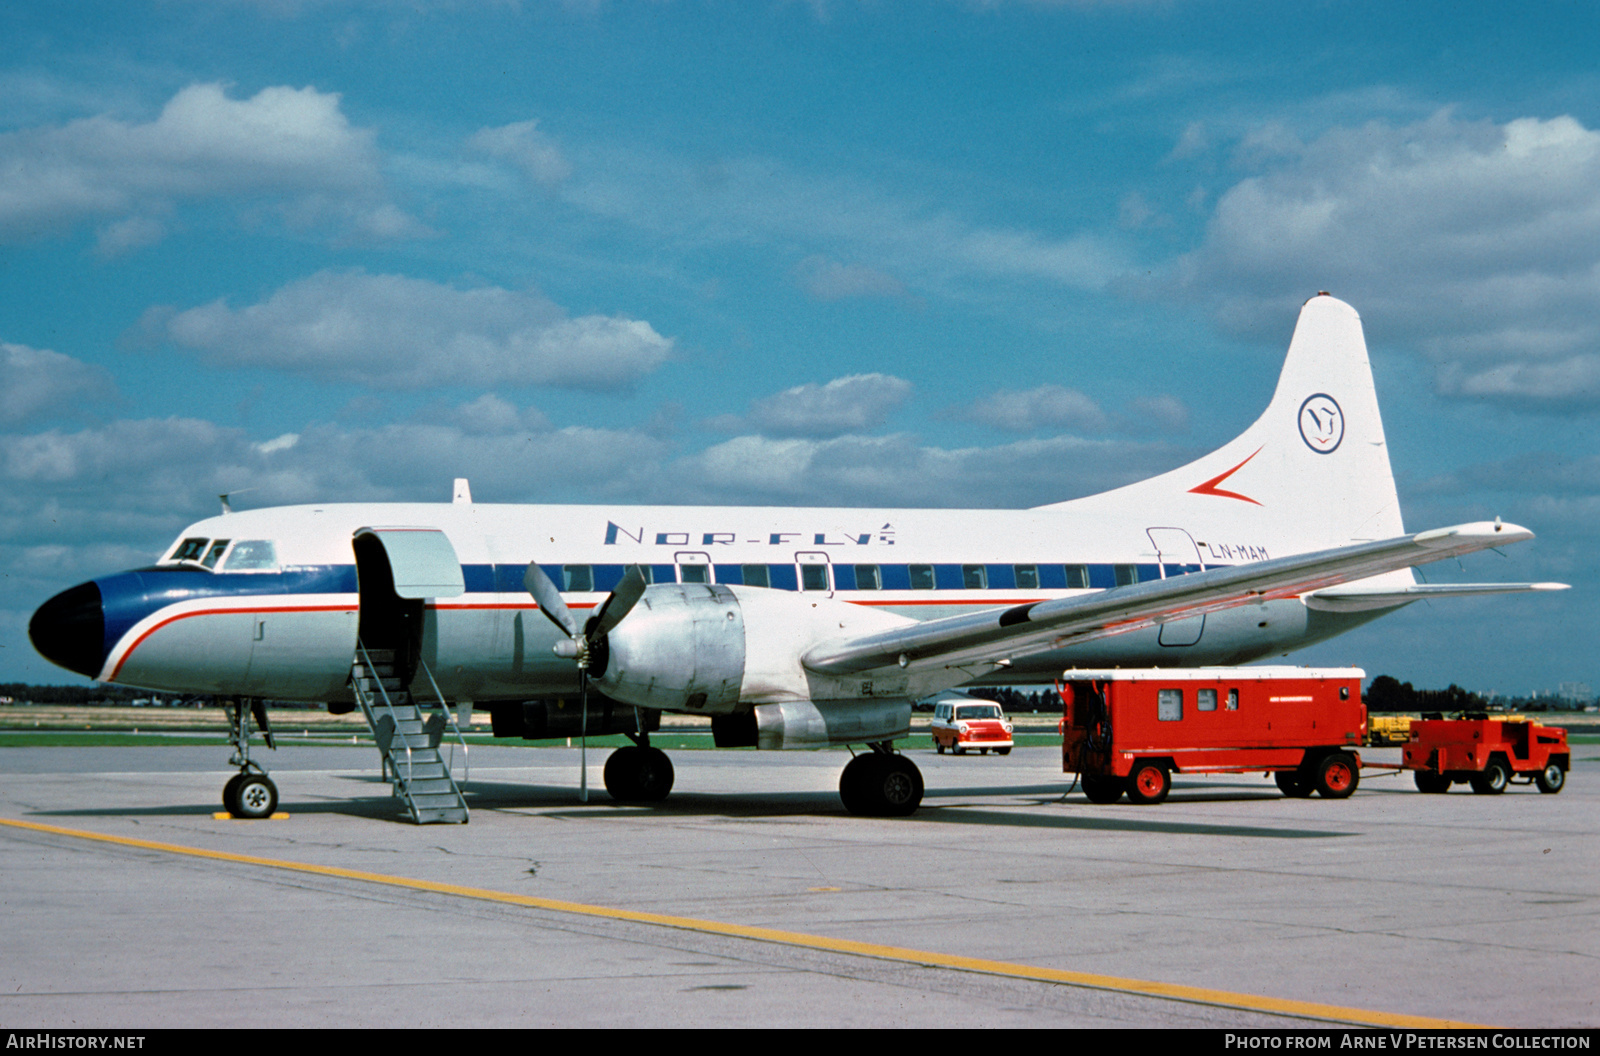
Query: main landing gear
x=250 y=793
x=881 y=783
x=638 y=773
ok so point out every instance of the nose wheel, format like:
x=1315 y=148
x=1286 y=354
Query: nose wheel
x=250 y=794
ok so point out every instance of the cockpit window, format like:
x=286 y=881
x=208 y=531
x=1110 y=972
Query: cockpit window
x=189 y=550
x=215 y=553
x=252 y=555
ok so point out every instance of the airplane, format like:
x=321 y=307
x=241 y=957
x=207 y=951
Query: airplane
x=791 y=628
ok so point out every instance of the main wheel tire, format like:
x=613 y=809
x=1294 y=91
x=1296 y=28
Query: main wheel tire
x=1101 y=789
x=1337 y=775
x=1551 y=779
x=1293 y=783
x=1492 y=779
x=1148 y=783
x=881 y=786
x=655 y=775
x=851 y=781
x=255 y=796
x=230 y=791
x=1431 y=781
x=622 y=774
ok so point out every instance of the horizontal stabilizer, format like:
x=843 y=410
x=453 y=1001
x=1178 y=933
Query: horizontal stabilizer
x=1355 y=598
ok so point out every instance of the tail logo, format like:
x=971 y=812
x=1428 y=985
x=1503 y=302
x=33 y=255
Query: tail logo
x=1210 y=487
x=1321 y=423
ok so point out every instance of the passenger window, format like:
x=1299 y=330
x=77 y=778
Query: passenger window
x=1233 y=700
x=1205 y=700
x=694 y=573
x=1078 y=577
x=252 y=555
x=189 y=550
x=215 y=553
x=1169 y=705
x=867 y=578
x=578 y=577
x=756 y=576
x=974 y=577
x=1126 y=575
x=813 y=577
x=921 y=577
x=1027 y=576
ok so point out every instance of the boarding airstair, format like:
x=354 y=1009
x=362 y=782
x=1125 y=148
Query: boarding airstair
x=418 y=738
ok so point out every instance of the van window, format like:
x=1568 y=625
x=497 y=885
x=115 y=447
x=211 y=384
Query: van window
x=1233 y=700
x=1205 y=700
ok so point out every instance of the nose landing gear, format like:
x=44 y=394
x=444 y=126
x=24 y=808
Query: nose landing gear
x=250 y=793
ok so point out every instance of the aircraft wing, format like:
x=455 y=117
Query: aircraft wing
x=996 y=635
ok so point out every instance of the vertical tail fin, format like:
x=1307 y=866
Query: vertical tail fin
x=1311 y=472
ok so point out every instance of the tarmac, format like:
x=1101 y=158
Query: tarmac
x=751 y=899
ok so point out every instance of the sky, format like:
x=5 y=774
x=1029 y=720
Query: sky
x=989 y=253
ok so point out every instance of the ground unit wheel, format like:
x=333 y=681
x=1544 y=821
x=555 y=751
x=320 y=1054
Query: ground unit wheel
x=252 y=796
x=1337 y=775
x=638 y=775
x=1148 y=783
x=1431 y=781
x=881 y=785
x=1293 y=783
x=1002 y=751
x=1492 y=779
x=1551 y=778
x=1101 y=789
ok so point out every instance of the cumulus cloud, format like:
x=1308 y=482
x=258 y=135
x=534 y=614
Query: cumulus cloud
x=853 y=404
x=393 y=332
x=1055 y=408
x=1476 y=242
x=533 y=152
x=294 y=143
x=898 y=471
x=35 y=383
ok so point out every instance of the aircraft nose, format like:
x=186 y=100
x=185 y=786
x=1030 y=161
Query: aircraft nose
x=70 y=630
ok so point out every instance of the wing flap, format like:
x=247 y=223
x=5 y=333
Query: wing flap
x=997 y=634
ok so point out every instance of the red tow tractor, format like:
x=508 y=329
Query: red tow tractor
x=1486 y=753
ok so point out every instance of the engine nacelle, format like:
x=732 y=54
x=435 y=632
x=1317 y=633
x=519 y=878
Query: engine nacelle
x=681 y=648
x=719 y=650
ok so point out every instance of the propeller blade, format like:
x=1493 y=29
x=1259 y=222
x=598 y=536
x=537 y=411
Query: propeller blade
x=619 y=603
x=549 y=598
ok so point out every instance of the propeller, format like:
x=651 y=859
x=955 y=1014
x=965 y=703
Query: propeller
x=582 y=642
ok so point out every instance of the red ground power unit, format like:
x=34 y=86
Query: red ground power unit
x=1129 y=731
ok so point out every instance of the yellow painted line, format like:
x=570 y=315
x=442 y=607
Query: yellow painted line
x=1169 y=991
